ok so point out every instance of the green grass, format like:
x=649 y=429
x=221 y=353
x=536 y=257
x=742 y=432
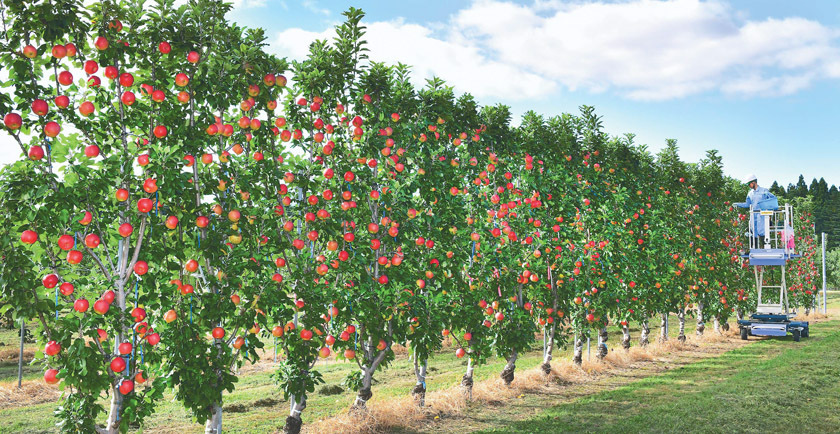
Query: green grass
x=257 y=405
x=772 y=385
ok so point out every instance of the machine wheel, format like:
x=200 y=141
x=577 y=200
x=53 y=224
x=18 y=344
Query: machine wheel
x=744 y=333
x=797 y=334
x=806 y=333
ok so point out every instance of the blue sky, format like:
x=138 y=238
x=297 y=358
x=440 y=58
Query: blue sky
x=759 y=80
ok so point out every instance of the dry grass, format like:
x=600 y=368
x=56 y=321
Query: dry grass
x=11 y=355
x=384 y=415
x=31 y=393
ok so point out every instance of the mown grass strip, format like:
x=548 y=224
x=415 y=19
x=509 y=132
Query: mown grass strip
x=774 y=385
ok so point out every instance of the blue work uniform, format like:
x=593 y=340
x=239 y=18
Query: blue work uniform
x=753 y=198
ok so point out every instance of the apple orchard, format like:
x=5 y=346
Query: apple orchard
x=179 y=203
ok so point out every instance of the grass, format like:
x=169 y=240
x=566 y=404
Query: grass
x=257 y=405
x=772 y=383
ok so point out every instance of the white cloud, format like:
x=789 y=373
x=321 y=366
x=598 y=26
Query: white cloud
x=312 y=6
x=640 y=49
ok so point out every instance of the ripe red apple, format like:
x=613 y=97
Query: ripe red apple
x=91 y=151
x=71 y=50
x=117 y=364
x=145 y=205
x=141 y=268
x=91 y=67
x=164 y=47
x=29 y=237
x=170 y=316
x=125 y=348
x=65 y=78
x=202 y=221
x=218 y=333
x=122 y=195
x=138 y=313
x=101 y=43
x=66 y=288
x=143 y=160
x=81 y=305
x=153 y=339
x=51 y=129
x=40 y=107
x=460 y=352
x=62 y=101
x=13 y=121
x=101 y=307
x=126 y=387
x=52 y=348
x=125 y=230
x=111 y=72
x=150 y=186
x=382 y=344
x=467 y=336
x=126 y=79
x=128 y=98
x=30 y=51
x=50 y=376
x=36 y=153
x=171 y=222
x=92 y=241
x=158 y=96
x=160 y=131
x=181 y=79
x=306 y=334
x=349 y=354
x=86 y=108
x=193 y=57
x=108 y=296
x=66 y=242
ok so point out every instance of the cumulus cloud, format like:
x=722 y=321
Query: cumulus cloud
x=640 y=49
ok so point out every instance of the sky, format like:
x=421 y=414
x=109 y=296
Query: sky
x=758 y=80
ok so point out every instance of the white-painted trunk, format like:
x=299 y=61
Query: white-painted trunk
x=644 y=339
x=701 y=326
x=681 y=317
x=113 y=424
x=717 y=325
x=294 y=422
x=419 y=391
x=602 y=343
x=578 y=356
x=467 y=380
x=548 y=349
x=214 y=424
x=663 y=328
x=510 y=368
x=625 y=338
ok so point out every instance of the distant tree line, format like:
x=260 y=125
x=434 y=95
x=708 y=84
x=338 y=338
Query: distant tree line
x=826 y=202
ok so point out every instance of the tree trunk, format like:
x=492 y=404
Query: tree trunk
x=419 y=391
x=644 y=339
x=663 y=327
x=510 y=367
x=548 y=348
x=625 y=339
x=467 y=380
x=739 y=314
x=717 y=325
x=113 y=425
x=364 y=394
x=701 y=326
x=681 y=317
x=214 y=424
x=294 y=422
x=602 y=343
x=578 y=357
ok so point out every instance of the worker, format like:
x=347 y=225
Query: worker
x=754 y=197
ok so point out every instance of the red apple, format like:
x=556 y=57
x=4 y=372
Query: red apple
x=145 y=205
x=40 y=107
x=193 y=57
x=218 y=333
x=30 y=51
x=66 y=288
x=66 y=242
x=125 y=348
x=29 y=237
x=36 y=153
x=101 y=307
x=117 y=364
x=52 y=348
x=160 y=131
x=171 y=222
x=126 y=387
x=164 y=47
x=51 y=129
x=81 y=305
x=12 y=121
x=91 y=151
x=92 y=241
x=101 y=43
x=141 y=268
x=50 y=376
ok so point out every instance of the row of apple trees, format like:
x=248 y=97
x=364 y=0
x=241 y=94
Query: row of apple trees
x=179 y=202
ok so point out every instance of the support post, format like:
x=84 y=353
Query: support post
x=20 y=354
x=588 y=349
x=825 y=305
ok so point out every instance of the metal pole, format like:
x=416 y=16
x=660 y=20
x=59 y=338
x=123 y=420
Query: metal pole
x=825 y=306
x=20 y=355
x=588 y=349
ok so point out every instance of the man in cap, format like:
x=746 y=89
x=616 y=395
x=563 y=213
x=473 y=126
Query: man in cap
x=754 y=196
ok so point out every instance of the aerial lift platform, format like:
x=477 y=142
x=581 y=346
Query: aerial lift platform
x=771 y=246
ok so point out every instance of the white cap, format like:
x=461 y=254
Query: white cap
x=749 y=178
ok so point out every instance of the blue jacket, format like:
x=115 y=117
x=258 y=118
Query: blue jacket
x=753 y=198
